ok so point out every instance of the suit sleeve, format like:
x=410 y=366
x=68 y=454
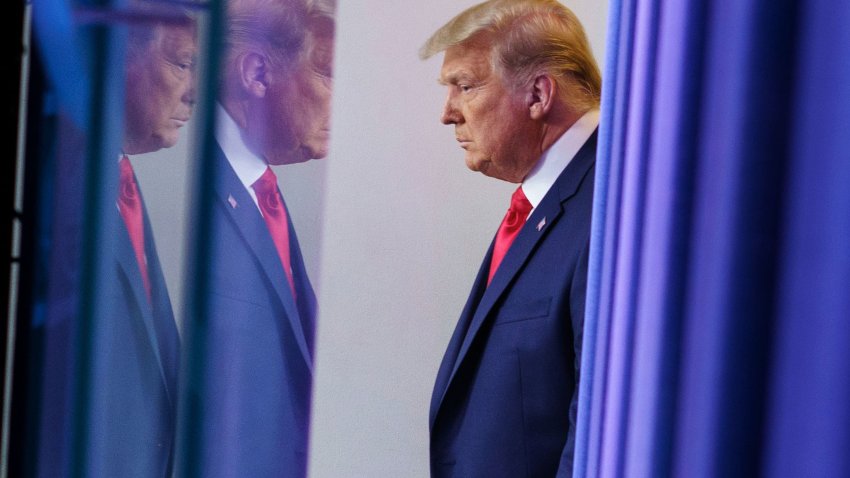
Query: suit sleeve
x=578 y=294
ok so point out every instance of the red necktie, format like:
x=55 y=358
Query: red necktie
x=274 y=214
x=511 y=225
x=130 y=207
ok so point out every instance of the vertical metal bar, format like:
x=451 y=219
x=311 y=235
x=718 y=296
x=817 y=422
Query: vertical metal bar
x=190 y=420
x=14 y=270
x=101 y=169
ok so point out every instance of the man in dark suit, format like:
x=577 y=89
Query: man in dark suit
x=120 y=420
x=258 y=332
x=523 y=95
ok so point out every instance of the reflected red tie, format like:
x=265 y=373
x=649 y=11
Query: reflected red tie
x=274 y=214
x=130 y=207
x=511 y=225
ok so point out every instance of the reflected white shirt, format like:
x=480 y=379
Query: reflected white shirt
x=558 y=157
x=247 y=165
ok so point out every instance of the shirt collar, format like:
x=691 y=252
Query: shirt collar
x=558 y=157
x=245 y=163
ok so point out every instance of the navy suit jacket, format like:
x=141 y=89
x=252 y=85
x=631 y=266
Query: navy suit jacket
x=134 y=357
x=504 y=399
x=255 y=396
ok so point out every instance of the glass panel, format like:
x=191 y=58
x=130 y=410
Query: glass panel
x=162 y=247
x=117 y=100
x=251 y=304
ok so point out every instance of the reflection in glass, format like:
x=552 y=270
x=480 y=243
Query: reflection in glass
x=107 y=367
x=251 y=327
x=110 y=350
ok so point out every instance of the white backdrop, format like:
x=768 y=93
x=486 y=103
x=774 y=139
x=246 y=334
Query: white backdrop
x=406 y=226
x=393 y=228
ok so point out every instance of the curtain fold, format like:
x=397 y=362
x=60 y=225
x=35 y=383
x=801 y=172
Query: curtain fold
x=718 y=304
x=808 y=417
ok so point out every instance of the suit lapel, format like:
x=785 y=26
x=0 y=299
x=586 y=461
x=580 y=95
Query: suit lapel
x=544 y=217
x=447 y=367
x=240 y=208
x=513 y=261
x=126 y=260
x=306 y=296
x=162 y=313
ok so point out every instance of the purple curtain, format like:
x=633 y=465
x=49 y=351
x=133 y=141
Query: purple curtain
x=718 y=303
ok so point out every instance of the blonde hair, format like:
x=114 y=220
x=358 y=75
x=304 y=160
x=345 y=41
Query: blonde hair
x=527 y=38
x=278 y=29
x=274 y=28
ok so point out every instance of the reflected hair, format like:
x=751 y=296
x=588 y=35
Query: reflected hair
x=528 y=38
x=321 y=25
x=149 y=20
x=278 y=29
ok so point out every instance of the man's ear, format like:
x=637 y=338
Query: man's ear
x=254 y=73
x=542 y=96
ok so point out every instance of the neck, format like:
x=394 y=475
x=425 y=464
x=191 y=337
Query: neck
x=557 y=122
x=237 y=110
x=246 y=121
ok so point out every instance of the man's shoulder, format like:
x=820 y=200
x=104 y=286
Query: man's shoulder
x=579 y=174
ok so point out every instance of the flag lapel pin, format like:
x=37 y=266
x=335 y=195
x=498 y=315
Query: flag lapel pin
x=232 y=201
x=541 y=224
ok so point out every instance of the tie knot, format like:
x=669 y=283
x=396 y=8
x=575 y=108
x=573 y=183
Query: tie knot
x=130 y=207
x=127 y=182
x=266 y=189
x=267 y=183
x=520 y=204
x=509 y=229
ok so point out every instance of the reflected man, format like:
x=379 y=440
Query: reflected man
x=274 y=109
x=132 y=390
x=523 y=95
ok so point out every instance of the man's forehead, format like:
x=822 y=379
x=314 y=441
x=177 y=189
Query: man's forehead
x=177 y=32
x=177 y=40
x=171 y=35
x=465 y=61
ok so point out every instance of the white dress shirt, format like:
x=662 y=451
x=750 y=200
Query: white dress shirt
x=247 y=165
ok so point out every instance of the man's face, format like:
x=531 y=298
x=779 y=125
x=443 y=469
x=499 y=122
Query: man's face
x=492 y=122
x=160 y=90
x=299 y=105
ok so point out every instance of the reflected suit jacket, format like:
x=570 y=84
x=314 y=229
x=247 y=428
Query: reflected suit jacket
x=134 y=358
x=504 y=399
x=255 y=398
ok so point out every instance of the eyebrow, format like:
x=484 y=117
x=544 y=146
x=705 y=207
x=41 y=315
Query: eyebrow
x=455 y=78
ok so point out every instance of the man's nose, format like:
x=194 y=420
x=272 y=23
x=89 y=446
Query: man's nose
x=189 y=94
x=450 y=114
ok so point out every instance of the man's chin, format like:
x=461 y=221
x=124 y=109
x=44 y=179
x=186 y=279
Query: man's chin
x=476 y=165
x=169 y=142
x=486 y=169
x=149 y=146
x=290 y=157
x=318 y=147
x=301 y=154
x=165 y=140
x=320 y=154
x=310 y=152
